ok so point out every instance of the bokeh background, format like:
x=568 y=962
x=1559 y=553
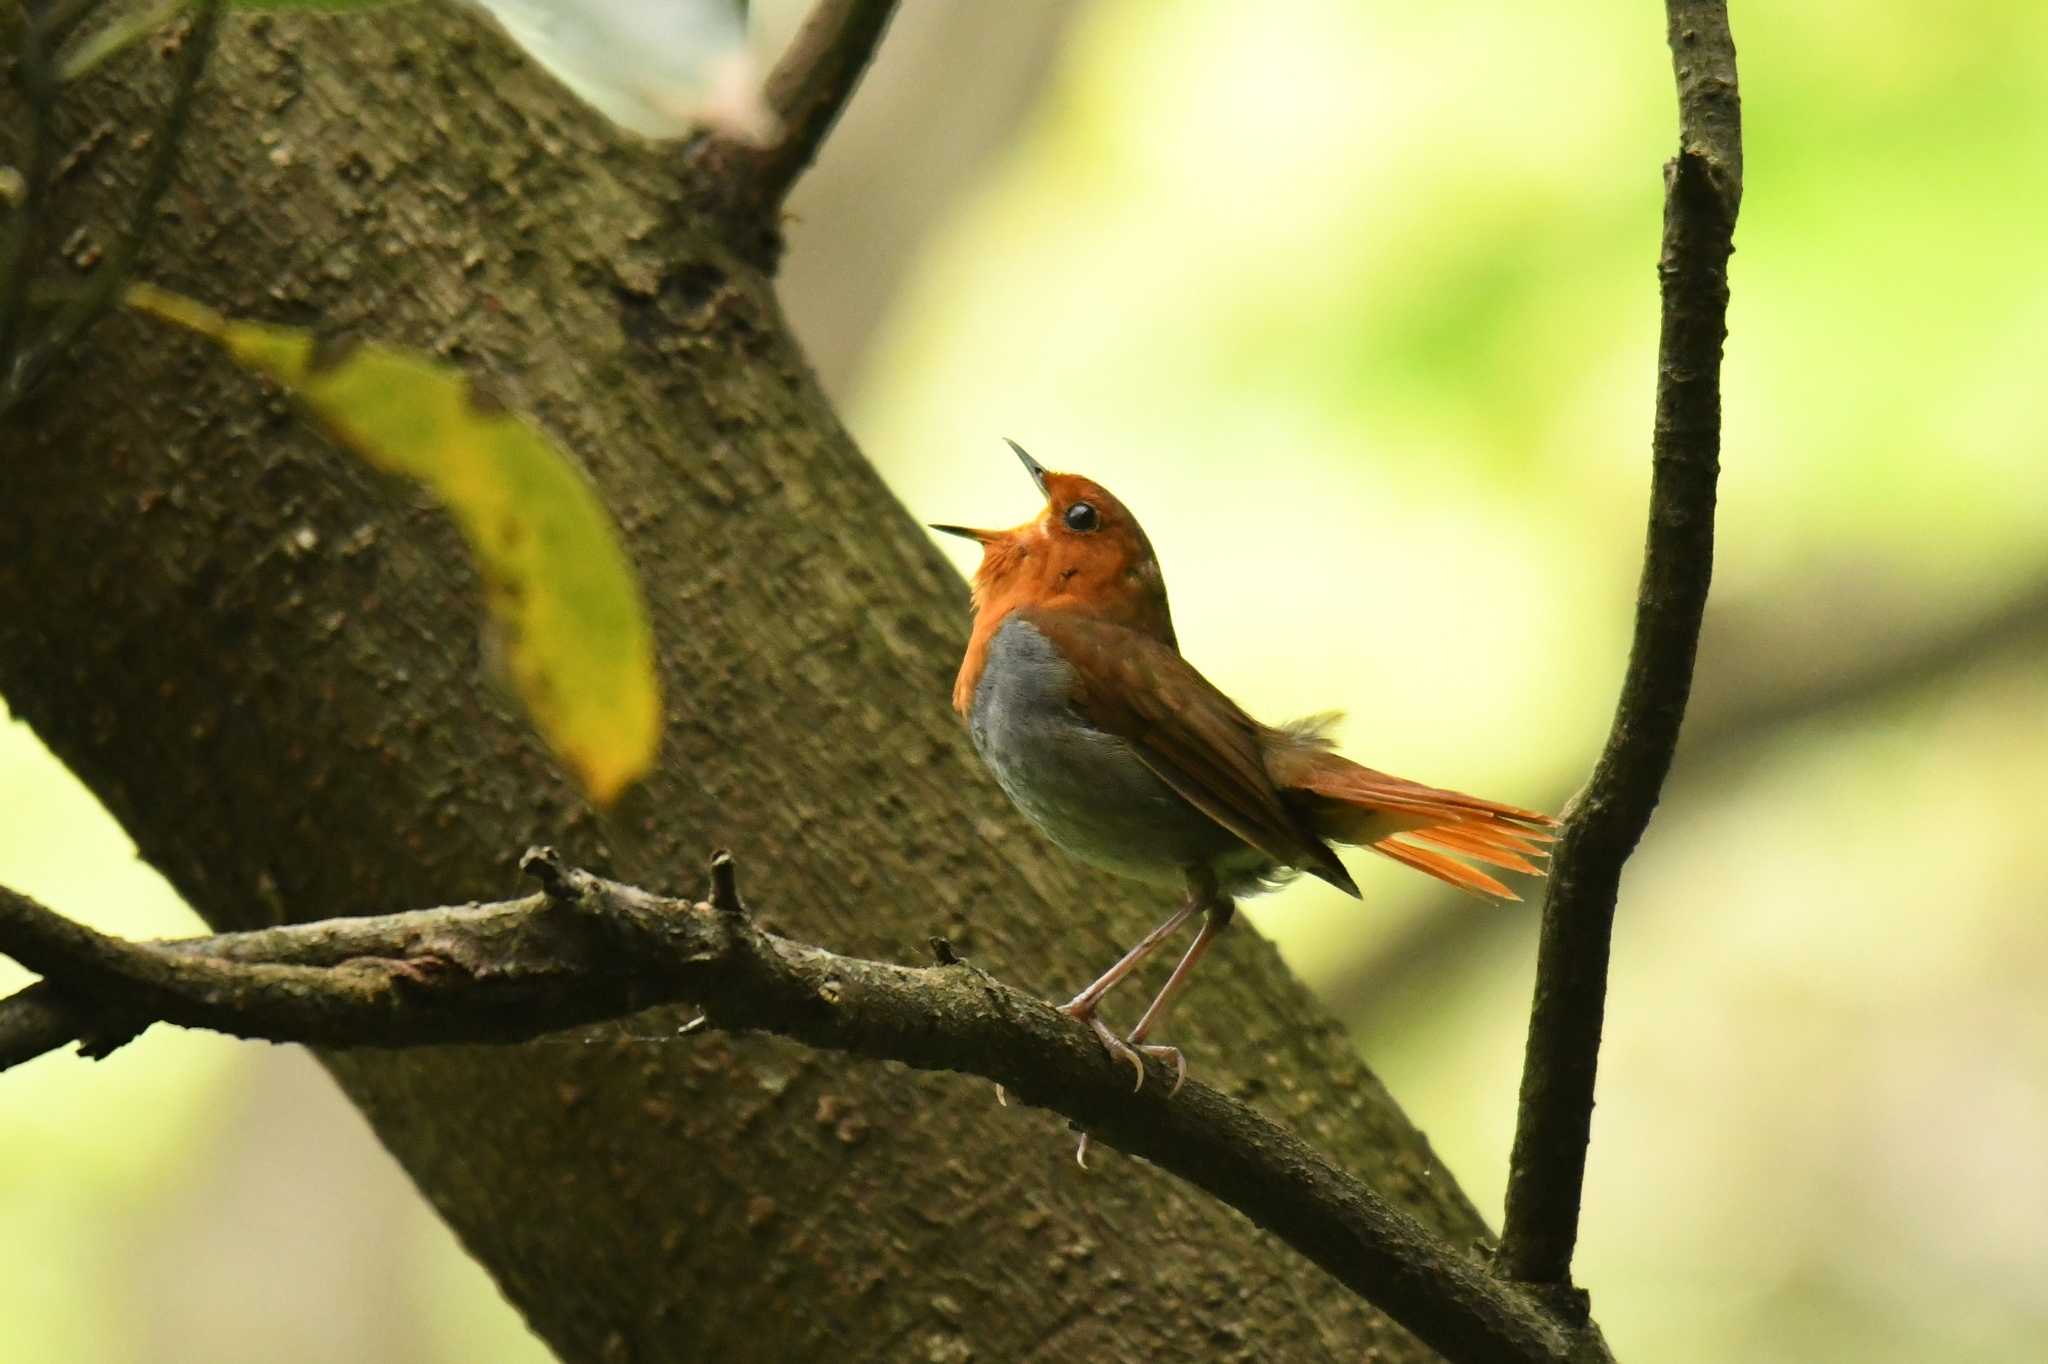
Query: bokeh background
x=1355 y=306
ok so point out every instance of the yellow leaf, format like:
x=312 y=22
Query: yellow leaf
x=557 y=581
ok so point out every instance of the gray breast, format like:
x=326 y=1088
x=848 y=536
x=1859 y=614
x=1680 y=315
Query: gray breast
x=1085 y=788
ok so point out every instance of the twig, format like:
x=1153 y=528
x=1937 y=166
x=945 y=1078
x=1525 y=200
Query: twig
x=21 y=231
x=807 y=89
x=99 y=295
x=1702 y=192
x=512 y=971
x=34 y=1021
x=545 y=865
x=725 y=884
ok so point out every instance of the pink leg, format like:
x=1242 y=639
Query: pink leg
x=1217 y=912
x=1175 y=983
x=1082 y=1006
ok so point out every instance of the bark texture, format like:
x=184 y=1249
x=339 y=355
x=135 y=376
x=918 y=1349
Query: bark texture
x=266 y=662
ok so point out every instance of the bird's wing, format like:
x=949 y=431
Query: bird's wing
x=1191 y=735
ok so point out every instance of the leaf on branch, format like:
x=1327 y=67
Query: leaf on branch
x=557 y=581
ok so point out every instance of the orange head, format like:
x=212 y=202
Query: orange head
x=1083 y=553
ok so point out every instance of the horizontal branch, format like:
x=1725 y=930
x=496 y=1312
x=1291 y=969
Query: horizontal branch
x=37 y=1020
x=588 y=950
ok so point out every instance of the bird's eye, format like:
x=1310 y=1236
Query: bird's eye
x=1081 y=516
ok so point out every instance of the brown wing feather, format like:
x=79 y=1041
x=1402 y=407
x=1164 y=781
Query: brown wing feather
x=1194 y=737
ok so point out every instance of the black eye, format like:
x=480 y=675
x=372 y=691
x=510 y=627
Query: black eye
x=1081 y=516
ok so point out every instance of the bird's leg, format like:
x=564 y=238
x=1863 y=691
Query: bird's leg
x=1214 y=921
x=1083 y=1005
x=1217 y=911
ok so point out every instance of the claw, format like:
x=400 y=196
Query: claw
x=1002 y=1097
x=1111 y=1043
x=1081 y=1151
x=1172 y=1056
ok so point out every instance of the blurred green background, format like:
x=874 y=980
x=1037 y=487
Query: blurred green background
x=1355 y=306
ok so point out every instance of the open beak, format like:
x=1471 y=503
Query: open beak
x=1032 y=467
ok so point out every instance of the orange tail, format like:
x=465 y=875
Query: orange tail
x=1398 y=818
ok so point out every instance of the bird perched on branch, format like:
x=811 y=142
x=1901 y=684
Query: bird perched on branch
x=1080 y=703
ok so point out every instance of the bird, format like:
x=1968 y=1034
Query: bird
x=1077 y=699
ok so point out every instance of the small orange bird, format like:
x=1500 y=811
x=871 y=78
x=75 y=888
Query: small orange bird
x=1078 y=700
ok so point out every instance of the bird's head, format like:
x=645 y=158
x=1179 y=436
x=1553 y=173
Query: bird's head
x=1084 y=552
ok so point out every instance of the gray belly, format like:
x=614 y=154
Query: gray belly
x=1085 y=788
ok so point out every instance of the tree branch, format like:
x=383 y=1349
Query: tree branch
x=807 y=89
x=1702 y=193
x=588 y=949
x=37 y=1020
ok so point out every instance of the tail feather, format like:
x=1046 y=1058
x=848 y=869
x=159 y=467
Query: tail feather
x=1506 y=838
x=1443 y=868
x=1462 y=840
x=1397 y=818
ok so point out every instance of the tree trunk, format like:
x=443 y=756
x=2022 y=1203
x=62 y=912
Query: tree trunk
x=266 y=661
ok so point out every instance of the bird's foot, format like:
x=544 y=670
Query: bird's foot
x=1172 y=1056
x=1111 y=1043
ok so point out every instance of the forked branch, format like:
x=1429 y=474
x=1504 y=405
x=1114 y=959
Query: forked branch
x=807 y=90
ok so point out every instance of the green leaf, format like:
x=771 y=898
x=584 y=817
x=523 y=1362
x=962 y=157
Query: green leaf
x=557 y=581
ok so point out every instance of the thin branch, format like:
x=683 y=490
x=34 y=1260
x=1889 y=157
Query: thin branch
x=588 y=950
x=807 y=90
x=22 y=229
x=38 y=1020
x=89 y=306
x=1702 y=192
x=725 y=884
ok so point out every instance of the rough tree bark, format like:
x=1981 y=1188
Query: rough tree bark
x=266 y=663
